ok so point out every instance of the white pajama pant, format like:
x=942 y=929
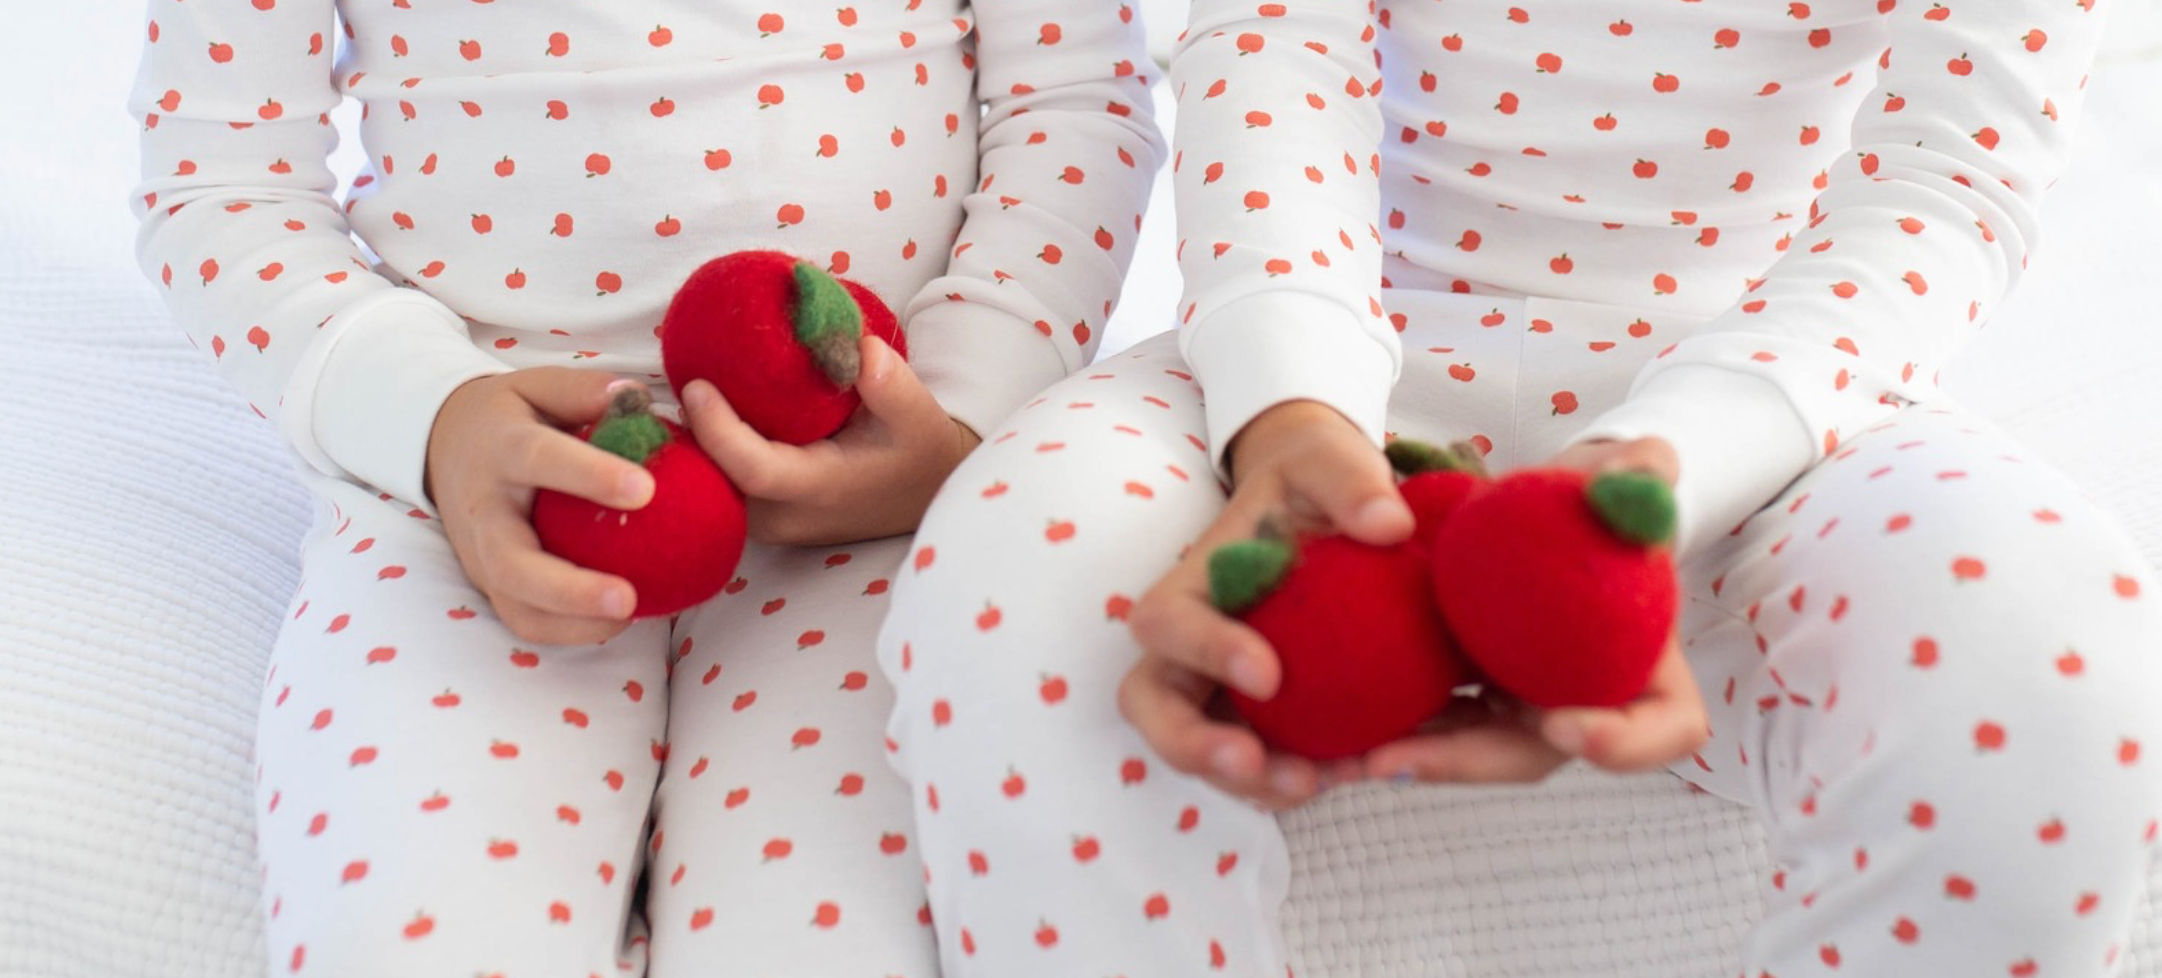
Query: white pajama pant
x=1931 y=667
x=706 y=796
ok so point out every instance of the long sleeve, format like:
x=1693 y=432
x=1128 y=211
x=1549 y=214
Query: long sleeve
x=1918 y=234
x=254 y=256
x=1277 y=179
x=1069 y=150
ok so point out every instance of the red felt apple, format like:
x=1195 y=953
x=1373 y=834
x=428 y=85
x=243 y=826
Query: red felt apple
x=777 y=336
x=1436 y=481
x=1558 y=586
x=1365 y=657
x=679 y=549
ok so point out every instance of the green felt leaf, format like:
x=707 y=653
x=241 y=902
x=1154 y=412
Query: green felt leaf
x=629 y=428
x=635 y=437
x=1635 y=505
x=1243 y=572
x=829 y=322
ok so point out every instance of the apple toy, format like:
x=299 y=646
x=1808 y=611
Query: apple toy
x=679 y=549
x=1365 y=657
x=1436 y=481
x=777 y=336
x=1559 y=586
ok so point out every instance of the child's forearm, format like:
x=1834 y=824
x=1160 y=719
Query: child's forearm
x=1278 y=198
x=1920 y=231
x=1069 y=150
x=242 y=236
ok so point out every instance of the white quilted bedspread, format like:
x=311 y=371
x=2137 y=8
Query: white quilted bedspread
x=147 y=533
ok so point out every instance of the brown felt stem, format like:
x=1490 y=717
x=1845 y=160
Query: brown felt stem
x=838 y=358
x=1411 y=457
x=629 y=428
x=631 y=401
x=828 y=321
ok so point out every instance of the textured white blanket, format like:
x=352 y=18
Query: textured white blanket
x=147 y=530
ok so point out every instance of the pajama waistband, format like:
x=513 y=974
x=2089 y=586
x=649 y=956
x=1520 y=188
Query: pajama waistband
x=1519 y=375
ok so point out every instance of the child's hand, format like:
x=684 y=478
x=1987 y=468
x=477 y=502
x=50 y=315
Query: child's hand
x=495 y=441
x=873 y=478
x=1498 y=741
x=1300 y=458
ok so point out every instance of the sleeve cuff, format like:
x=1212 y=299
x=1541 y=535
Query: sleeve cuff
x=981 y=363
x=1264 y=350
x=1738 y=438
x=364 y=404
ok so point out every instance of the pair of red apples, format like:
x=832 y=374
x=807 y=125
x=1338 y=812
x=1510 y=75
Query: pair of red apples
x=1552 y=586
x=777 y=336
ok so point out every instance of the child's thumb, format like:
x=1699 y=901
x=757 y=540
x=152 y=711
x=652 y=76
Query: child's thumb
x=889 y=388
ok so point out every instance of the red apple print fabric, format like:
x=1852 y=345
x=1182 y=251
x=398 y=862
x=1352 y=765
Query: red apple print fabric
x=1054 y=841
x=437 y=797
x=1846 y=189
x=1928 y=664
x=541 y=179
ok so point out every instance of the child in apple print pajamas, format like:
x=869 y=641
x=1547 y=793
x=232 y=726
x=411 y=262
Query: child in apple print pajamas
x=1728 y=243
x=469 y=762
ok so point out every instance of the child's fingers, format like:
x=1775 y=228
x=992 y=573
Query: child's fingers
x=1352 y=486
x=1164 y=702
x=540 y=598
x=1653 y=455
x=564 y=396
x=1287 y=782
x=541 y=457
x=758 y=466
x=513 y=564
x=540 y=627
x=1175 y=622
x=1659 y=727
x=1494 y=752
x=559 y=587
x=1189 y=649
x=1347 y=770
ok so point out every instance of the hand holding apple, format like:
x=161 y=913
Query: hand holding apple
x=1665 y=719
x=1363 y=652
x=678 y=549
x=1551 y=586
x=873 y=478
x=494 y=445
x=1601 y=677
x=1300 y=457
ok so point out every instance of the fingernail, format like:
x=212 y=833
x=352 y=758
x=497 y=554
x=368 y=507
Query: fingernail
x=1566 y=735
x=1226 y=760
x=617 y=603
x=698 y=395
x=1246 y=675
x=638 y=486
x=1286 y=781
x=620 y=383
x=1378 y=510
x=889 y=362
